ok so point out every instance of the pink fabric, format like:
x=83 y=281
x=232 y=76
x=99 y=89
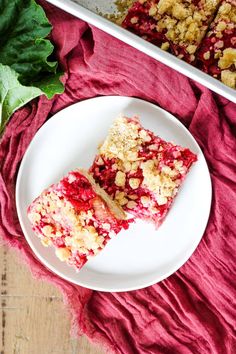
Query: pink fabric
x=194 y=310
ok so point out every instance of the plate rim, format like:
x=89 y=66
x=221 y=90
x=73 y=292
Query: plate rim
x=52 y=268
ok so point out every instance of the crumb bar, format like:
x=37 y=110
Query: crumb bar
x=77 y=217
x=217 y=55
x=174 y=25
x=139 y=170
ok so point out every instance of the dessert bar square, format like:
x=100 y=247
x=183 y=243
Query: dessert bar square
x=174 y=25
x=217 y=55
x=140 y=21
x=77 y=217
x=139 y=170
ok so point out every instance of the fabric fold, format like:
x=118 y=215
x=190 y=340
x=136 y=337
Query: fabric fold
x=194 y=310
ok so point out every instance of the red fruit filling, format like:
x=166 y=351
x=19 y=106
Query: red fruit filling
x=217 y=55
x=139 y=170
x=71 y=216
x=178 y=26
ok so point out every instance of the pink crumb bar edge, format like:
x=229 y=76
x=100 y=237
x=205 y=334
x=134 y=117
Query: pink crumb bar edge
x=72 y=216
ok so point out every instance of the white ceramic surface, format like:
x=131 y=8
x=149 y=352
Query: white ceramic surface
x=142 y=255
x=88 y=10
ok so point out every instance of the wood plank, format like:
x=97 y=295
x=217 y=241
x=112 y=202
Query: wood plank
x=33 y=317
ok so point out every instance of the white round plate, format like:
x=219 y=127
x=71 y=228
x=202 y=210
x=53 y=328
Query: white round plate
x=142 y=255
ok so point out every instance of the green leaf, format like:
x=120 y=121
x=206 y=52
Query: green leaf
x=50 y=85
x=23 y=28
x=26 y=70
x=13 y=95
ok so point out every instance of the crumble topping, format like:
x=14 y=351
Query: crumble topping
x=165 y=46
x=228 y=58
x=180 y=26
x=217 y=55
x=146 y=201
x=122 y=141
x=72 y=216
x=158 y=181
x=131 y=204
x=229 y=78
x=122 y=8
x=63 y=253
x=82 y=237
x=120 y=179
x=134 y=183
x=146 y=186
x=182 y=23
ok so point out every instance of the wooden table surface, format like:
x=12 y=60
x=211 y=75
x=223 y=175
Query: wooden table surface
x=33 y=317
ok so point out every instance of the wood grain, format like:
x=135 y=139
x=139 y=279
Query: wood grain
x=33 y=317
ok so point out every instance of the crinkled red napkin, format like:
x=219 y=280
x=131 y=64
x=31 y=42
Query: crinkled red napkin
x=194 y=310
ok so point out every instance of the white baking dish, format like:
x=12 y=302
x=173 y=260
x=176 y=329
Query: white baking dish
x=88 y=10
